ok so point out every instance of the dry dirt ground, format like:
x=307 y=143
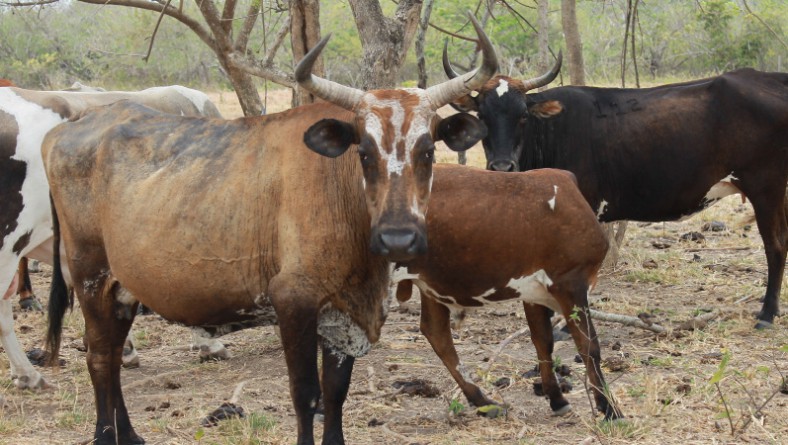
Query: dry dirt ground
x=662 y=383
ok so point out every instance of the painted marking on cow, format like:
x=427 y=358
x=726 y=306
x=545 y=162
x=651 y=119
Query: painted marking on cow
x=602 y=209
x=503 y=87
x=551 y=202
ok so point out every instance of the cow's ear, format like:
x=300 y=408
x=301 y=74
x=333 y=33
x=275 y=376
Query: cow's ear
x=330 y=137
x=465 y=104
x=546 y=109
x=460 y=131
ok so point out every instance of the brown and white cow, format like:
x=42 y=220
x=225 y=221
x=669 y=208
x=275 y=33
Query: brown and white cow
x=542 y=247
x=257 y=222
x=25 y=215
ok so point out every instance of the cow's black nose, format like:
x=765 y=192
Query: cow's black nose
x=398 y=240
x=502 y=166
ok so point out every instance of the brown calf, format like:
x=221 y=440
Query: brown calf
x=543 y=247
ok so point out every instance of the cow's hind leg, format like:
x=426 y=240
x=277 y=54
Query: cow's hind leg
x=27 y=300
x=573 y=297
x=107 y=323
x=297 y=315
x=542 y=337
x=435 y=326
x=770 y=214
x=23 y=374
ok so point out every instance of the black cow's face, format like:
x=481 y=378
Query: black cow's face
x=502 y=106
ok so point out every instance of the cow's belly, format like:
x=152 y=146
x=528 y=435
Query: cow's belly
x=666 y=205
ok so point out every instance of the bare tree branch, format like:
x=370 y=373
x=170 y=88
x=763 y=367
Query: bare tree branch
x=266 y=72
x=191 y=23
x=227 y=16
x=280 y=37
x=155 y=30
x=246 y=30
x=425 y=18
x=757 y=17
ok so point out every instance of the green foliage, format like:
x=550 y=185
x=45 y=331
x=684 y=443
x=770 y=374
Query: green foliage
x=720 y=373
x=455 y=406
x=52 y=46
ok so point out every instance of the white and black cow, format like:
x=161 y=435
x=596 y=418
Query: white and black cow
x=25 y=216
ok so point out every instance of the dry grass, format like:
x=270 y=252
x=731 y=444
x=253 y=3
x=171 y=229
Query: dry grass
x=665 y=393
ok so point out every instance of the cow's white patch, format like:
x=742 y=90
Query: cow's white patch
x=722 y=189
x=551 y=202
x=602 y=209
x=33 y=123
x=341 y=332
x=503 y=87
x=533 y=289
x=421 y=116
x=22 y=372
x=124 y=297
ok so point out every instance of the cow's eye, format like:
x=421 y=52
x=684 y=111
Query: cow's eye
x=429 y=154
x=363 y=156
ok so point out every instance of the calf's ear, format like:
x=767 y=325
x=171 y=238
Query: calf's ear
x=330 y=137
x=546 y=109
x=461 y=131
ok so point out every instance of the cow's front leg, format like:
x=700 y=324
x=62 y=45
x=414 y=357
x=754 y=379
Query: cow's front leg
x=297 y=317
x=435 y=326
x=337 y=370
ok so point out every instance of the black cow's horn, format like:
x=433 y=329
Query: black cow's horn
x=450 y=73
x=545 y=78
x=459 y=86
x=338 y=94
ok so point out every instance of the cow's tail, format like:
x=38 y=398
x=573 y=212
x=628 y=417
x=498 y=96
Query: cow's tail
x=60 y=298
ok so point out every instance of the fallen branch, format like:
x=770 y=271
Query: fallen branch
x=237 y=392
x=694 y=323
x=399 y=436
x=503 y=344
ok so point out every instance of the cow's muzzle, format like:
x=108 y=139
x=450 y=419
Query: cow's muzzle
x=502 y=165
x=399 y=244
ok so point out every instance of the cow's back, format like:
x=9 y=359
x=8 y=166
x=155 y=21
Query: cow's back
x=506 y=225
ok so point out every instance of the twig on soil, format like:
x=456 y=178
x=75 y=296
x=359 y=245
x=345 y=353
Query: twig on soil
x=371 y=380
x=627 y=321
x=716 y=249
x=503 y=344
x=237 y=392
x=399 y=436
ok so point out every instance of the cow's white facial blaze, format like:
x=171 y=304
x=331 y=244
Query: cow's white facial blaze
x=396 y=155
x=503 y=87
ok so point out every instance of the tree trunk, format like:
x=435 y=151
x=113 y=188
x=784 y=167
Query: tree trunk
x=543 y=26
x=245 y=88
x=385 y=41
x=304 y=35
x=423 y=24
x=574 y=46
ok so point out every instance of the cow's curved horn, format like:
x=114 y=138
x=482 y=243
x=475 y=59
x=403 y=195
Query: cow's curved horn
x=545 y=78
x=338 y=94
x=450 y=73
x=459 y=86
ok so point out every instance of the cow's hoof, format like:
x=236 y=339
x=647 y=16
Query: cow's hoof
x=130 y=359
x=208 y=354
x=31 y=303
x=562 y=411
x=32 y=382
x=763 y=324
x=561 y=334
x=492 y=411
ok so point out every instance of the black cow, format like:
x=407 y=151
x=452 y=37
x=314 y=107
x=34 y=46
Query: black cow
x=653 y=154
